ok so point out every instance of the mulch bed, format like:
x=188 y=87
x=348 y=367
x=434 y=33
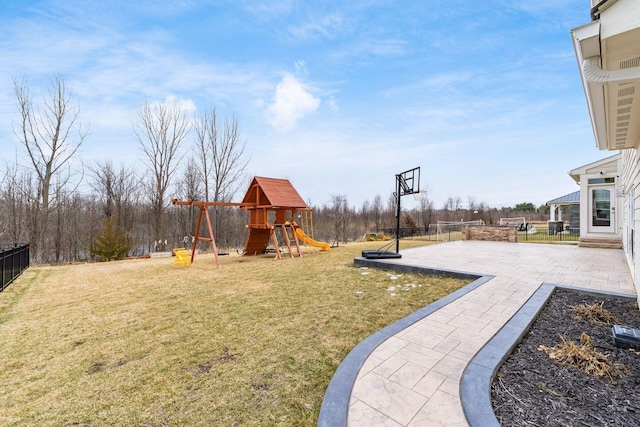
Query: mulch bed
x=531 y=389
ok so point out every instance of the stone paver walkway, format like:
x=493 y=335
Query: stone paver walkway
x=413 y=378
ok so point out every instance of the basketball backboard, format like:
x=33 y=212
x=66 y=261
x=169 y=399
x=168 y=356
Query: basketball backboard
x=409 y=181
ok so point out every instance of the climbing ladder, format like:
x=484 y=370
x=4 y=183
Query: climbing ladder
x=289 y=237
x=306 y=221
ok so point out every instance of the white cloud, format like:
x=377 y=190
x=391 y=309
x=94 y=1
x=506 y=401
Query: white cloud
x=333 y=104
x=301 y=68
x=292 y=101
x=186 y=105
x=318 y=27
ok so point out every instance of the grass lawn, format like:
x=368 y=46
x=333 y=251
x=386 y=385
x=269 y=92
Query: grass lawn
x=148 y=343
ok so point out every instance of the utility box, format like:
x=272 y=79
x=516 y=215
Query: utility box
x=626 y=336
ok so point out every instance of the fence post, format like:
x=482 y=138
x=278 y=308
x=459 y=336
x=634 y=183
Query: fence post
x=2 y=268
x=13 y=262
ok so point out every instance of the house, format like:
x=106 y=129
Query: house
x=569 y=203
x=601 y=220
x=608 y=54
x=595 y=211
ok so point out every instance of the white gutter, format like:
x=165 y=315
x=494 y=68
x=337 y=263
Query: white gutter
x=598 y=8
x=593 y=73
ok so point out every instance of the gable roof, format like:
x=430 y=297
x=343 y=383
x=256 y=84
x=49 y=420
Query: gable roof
x=274 y=192
x=567 y=199
x=608 y=164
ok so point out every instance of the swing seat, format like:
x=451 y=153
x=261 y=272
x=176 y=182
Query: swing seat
x=182 y=257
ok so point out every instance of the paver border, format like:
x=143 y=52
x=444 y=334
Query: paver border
x=475 y=384
x=335 y=404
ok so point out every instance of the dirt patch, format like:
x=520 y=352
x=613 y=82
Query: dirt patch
x=534 y=389
x=97 y=367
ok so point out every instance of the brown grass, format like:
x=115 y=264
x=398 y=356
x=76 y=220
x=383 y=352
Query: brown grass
x=145 y=342
x=594 y=313
x=584 y=357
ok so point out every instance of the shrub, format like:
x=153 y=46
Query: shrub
x=373 y=237
x=112 y=244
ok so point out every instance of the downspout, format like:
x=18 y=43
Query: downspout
x=595 y=11
x=593 y=73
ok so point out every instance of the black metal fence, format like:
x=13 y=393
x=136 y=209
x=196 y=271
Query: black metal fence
x=408 y=232
x=14 y=259
x=550 y=234
x=555 y=232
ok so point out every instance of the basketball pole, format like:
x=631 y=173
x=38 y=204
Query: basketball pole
x=403 y=188
x=398 y=197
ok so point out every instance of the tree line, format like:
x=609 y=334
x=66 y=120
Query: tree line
x=338 y=222
x=127 y=212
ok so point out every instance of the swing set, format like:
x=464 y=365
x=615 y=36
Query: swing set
x=272 y=204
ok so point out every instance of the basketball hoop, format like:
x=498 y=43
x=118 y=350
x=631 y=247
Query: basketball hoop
x=420 y=195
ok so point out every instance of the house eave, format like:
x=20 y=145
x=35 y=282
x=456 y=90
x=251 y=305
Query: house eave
x=586 y=43
x=608 y=55
x=608 y=165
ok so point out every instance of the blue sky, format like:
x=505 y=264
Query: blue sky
x=336 y=96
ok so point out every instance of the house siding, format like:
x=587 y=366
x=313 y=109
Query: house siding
x=631 y=219
x=614 y=37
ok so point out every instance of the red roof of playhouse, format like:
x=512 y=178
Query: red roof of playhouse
x=278 y=193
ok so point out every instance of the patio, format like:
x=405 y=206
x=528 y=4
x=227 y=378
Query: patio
x=409 y=374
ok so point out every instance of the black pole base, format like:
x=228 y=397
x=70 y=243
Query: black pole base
x=379 y=254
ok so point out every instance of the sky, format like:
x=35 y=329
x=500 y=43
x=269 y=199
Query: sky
x=336 y=96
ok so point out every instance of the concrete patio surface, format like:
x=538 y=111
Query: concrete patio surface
x=412 y=378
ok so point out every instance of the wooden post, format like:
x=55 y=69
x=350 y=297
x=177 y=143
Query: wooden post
x=203 y=208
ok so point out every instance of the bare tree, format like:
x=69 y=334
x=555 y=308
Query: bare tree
x=69 y=226
x=78 y=227
x=457 y=203
x=190 y=186
x=481 y=208
x=117 y=195
x=11 y=205
x=365 y=212
x=221 y=156
x=161 y=128
x=222 y=165
x=117 y=191
x=103 y=183
x=449 y=206
x=472 y=206
x=339 y=214
x=376 y=211
x=426 y=211
x=51 y=135
x=391 y=211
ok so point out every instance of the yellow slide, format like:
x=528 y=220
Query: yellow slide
x=309 y=241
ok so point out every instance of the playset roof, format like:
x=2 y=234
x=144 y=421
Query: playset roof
x=273 y=192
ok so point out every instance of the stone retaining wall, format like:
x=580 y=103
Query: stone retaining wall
x=493 y=233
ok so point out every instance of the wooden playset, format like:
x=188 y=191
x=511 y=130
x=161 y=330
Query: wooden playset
x=272 y=204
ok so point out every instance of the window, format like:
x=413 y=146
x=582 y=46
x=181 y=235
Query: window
x=630 y=223
x=602 y=180
x=601 y=207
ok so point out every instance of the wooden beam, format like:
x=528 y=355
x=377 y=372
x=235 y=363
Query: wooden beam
x=191 y=202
